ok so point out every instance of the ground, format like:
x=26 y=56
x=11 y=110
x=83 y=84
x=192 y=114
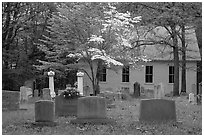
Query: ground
x=189 y=121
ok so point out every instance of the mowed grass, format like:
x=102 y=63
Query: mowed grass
x=126 y=114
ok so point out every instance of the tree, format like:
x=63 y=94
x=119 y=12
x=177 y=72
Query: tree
x=92 y=32
x=22 y=26
x=168 y=15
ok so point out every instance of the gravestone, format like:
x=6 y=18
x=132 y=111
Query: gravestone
x=92 y=109
x=136 y=89
x=192 y=98
x=44 y=112
x=149 y=93
x=110 y=98
x=25 y=93
x=36 y=93
x=142 y=91
x=86 y=91
x=10 y=100
x=65 y=107
x=46 y=94
x=157 y=110
x=159 y=91
x=125 y=93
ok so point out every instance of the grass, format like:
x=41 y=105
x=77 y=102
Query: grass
x=189 y=122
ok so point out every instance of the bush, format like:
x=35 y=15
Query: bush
x=71 y=93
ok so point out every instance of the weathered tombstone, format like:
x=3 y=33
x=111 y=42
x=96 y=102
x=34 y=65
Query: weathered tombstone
x=91 y=109
x=157 y=110
x=125 y=93
x=142 y=91
x=10 y=100
x=36 y=93
x=192 y=98
x=65 y=107
x=86 y=91
x=25 y=93
x=159 y=91
x=149 y=93
x=44 y=112
x=46 y=94
x=136 y=89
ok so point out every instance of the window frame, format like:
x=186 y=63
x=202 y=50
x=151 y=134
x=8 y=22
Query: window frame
x=126 y=74
x=171 y=75
x=102 y=74
x=149 y=79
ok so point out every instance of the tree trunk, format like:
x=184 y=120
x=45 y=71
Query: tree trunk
x=183 y=77
x=176 y=61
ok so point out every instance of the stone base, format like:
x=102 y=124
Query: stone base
x=49 y=124
x=93 y=121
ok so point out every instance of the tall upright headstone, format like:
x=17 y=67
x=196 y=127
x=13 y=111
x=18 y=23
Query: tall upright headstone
x=80 y=82
x=25 y=92
x=136 y=89
x=158 y=91
x=51 y=83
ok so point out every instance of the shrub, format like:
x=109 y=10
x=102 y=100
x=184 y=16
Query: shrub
x=71 y=93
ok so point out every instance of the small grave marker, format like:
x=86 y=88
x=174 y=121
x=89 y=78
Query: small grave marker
x=36 y=93
x=46 y=94
x=159 y=91
x=192 y=98
x=136 y=89
x=149 y=93
x=25 y=93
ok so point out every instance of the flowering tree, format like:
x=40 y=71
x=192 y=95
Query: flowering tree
x=92 y=33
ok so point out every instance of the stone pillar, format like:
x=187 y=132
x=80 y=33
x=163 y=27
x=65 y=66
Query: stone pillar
x=80 y=82
x=51 y=83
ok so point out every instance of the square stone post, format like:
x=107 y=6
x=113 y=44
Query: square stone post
x=51 y=83
x=80 y=82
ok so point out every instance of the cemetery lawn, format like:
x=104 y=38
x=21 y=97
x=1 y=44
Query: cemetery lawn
x=189 y=121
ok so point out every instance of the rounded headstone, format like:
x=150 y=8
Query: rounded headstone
x=91 y=107
x=44 y=111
